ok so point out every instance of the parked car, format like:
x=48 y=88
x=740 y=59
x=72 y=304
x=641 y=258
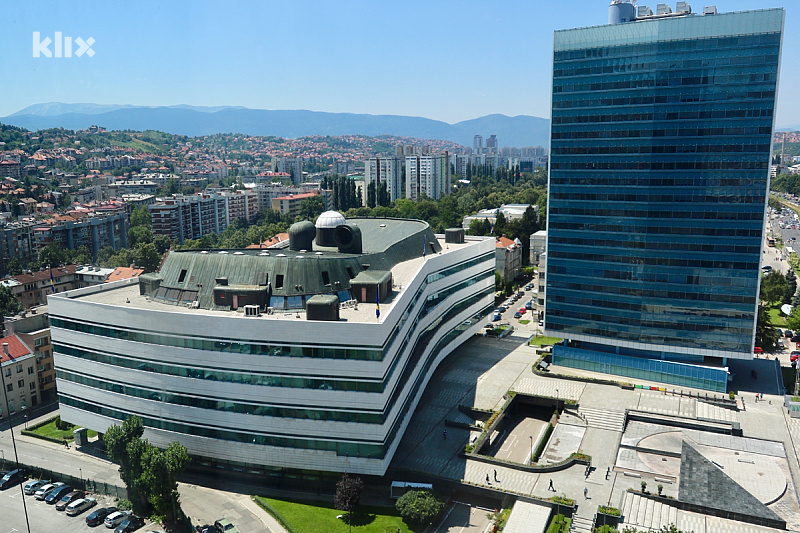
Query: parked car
x=795 y=338
x=54 y=495
x=496 y=317
x=520 y=294
x=132 y=523
x=97 y=517
x=43 y=491
x=529 y=305
x=224 y=525
x=33 y=485
x=788 y=334
x=794 y=356
x=80 y=505
x=521 y=310
x=517 y=315
x=116 y=518
x=69 y=498
x=12 y=478
x=758 y=350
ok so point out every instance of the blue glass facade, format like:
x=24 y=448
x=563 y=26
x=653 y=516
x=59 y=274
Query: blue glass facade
x=660 y=151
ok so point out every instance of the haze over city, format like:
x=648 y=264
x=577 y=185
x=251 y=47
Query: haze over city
x=446 y=60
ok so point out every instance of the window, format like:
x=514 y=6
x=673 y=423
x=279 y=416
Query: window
x=21 y=384
x=19 y=369
x=182 y=276
x=8 y=372
x=11 y=409
x=279 y=281
x=326 y=279
x=10 y=387
x=30 y=370
x=32 y=385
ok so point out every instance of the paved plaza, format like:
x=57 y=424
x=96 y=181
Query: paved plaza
x=764 y=462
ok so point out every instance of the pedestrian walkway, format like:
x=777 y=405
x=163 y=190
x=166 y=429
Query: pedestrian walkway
x=603 y=418
x=554 y=388
x=707 y=411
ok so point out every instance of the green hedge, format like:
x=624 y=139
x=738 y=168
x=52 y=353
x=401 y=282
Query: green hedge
x=542 y=443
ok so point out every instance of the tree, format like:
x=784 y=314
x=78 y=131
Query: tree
x=9 y=306
x=419 y=507
x=348 y=492
x=139 y=234
x=773 y=287
x=145 y=256
x=150 y=474
x=766 y=335
x=14 y=267
x=791 y=287
x=311 y=207
x=140 y=216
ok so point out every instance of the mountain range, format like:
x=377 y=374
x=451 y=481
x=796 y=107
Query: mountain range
x=519 y=131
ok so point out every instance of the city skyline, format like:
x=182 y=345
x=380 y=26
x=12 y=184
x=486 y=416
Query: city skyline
x=314 y=55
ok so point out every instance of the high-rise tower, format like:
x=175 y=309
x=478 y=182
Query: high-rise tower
x=660 y=152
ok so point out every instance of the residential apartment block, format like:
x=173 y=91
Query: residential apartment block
x=189 y=217
x=427 y=176
x=388 y=170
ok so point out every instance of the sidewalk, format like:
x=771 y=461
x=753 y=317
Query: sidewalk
x=203 y=505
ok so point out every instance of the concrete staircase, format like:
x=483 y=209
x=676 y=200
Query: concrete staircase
x=603 y=418
x=645 y=513
x=581 y=524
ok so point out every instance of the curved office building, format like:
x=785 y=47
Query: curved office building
x=311 y=357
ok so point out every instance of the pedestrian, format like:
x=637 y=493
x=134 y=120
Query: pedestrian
x=487 y=479
x=66 y=443
x=551 y=486
x=495 y=475
x=585 y=493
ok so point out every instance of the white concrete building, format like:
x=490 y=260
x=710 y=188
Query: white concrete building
x=427 y=175
x=388 y=170
x=311 y=358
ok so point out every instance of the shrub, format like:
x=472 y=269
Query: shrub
x=732 y=395
x=124 y=505
x=611 y=511
x=419 y=507
x=644 y=485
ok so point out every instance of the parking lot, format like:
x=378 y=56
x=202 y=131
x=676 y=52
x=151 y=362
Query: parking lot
x=44 y=517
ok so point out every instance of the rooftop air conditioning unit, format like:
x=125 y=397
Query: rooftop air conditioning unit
x=250 y=310
x=270 y=310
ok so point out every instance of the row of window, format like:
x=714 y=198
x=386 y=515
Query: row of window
x=349 y=449
x=692 y=261
x=649 y=294
x=630 y=53
x=634 y=231
x=652 y=181
x=650 y=132
x=657 y=245
x=650 y=149
x=670 y=78
x=707 y=96
x=570 y=211
x=724 y=196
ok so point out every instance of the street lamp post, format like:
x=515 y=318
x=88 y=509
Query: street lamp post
x=530 y=459
x=556 y=399
x=5 y=354
x=81 y=471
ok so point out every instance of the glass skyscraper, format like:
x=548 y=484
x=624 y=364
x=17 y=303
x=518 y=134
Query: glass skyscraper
x=660 y=152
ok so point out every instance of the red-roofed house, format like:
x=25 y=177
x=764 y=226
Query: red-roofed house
x=19 y=384
x=508 y=257
x=124 y=273
x=291 y=204
x=273 y=241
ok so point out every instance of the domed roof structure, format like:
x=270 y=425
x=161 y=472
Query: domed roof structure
x=330 y=220
x=301 y=235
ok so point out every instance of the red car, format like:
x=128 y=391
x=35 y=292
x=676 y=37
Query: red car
x=757 y=350
x=522 y=310
x=794 y=356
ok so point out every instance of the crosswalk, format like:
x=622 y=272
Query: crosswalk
x=603 y=418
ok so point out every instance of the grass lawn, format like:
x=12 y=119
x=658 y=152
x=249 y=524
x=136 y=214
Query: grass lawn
x=544 y=341
x=50 y=430
x=776 y=318
x=524 y=321
x=318 y=517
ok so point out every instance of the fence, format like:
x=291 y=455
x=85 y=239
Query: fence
x=89 y=485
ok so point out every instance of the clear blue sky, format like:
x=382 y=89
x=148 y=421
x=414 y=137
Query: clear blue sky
x=442 y=59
